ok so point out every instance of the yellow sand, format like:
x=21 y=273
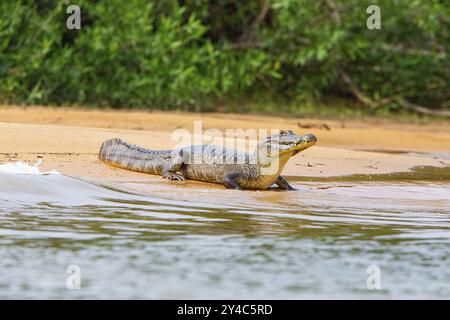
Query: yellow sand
x=68 y=140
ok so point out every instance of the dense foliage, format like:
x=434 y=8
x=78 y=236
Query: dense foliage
x=187 y=54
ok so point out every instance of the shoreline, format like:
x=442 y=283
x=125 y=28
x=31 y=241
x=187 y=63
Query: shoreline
x=68 y=141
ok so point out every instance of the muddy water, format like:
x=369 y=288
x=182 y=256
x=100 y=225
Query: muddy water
x=160 y=240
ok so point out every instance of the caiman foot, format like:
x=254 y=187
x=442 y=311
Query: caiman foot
x=235 y=188
x=283 y=184
x=230 y=181
x=173 y=176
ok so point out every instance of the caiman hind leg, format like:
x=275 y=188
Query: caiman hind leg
x=171 y=169
x=230 y=181
x=283 y=184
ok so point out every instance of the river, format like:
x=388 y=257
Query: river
x=327 y=239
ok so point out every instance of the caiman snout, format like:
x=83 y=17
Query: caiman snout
x=309 y=138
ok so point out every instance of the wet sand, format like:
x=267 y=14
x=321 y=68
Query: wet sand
x=68 y=140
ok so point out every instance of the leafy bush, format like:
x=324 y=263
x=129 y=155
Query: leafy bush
x=185 y=54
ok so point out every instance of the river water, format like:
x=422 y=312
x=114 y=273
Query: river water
x=344 y=239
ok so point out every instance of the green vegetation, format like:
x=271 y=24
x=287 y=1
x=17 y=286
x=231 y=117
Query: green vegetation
x=198 y=54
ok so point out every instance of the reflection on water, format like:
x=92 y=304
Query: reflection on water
x=160 y=240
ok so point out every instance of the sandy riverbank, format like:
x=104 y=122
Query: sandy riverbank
x=68 y=140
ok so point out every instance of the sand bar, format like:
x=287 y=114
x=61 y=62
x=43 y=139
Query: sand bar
x=68 y=140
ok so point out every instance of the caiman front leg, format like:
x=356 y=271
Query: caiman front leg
x=171 y=169
x=283 y=184
x=230 y=181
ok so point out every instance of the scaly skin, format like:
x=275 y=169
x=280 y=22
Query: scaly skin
x=233 y=169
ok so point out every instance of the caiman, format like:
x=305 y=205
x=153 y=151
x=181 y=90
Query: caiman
x=234 y=169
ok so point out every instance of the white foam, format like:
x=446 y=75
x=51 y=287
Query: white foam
x=20 y=167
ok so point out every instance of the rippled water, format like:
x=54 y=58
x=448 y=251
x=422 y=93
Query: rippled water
x=161 y=240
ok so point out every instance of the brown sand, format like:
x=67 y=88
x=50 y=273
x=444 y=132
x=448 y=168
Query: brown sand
x=69 y=139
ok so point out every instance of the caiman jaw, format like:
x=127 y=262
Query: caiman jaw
x=299 y=144
x=305 y=142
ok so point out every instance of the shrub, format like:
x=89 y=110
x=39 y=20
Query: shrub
x=184 y=54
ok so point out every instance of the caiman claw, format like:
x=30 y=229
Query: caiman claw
x=173 y=176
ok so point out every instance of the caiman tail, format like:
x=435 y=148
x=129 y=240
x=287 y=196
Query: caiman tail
x=119 y=153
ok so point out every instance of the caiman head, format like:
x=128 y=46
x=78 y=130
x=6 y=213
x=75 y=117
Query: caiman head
x=286 y=144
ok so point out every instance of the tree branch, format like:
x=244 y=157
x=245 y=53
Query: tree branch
x=417 y=52
x=361 y=96
x=364 y=99
x=335 y=15
x=265 y=6
x=422 y=110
